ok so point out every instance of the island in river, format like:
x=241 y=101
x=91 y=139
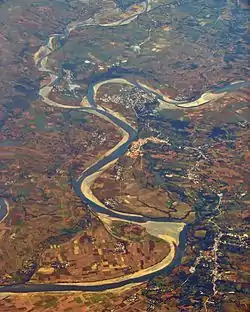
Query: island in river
x=125 y=166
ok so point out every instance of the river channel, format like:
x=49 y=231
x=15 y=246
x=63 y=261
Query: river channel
x=82 y=185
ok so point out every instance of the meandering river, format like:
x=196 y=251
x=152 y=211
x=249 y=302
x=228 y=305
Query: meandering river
x=172 y=232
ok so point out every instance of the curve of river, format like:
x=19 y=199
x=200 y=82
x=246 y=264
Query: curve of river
x=4 y=209
x=172 y=232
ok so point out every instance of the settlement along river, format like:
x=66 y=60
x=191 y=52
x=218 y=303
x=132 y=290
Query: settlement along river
x=172 y=232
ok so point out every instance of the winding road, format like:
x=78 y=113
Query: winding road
x=172 y=232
